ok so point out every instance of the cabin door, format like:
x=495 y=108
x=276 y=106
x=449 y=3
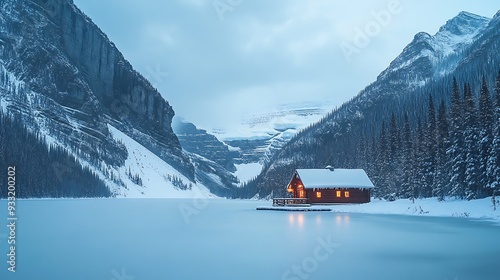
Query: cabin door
x=301 y=193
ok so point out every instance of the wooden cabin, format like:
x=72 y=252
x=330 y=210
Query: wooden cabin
x=327 y=186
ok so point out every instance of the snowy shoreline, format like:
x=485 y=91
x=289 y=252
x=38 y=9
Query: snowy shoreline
x=474 y=209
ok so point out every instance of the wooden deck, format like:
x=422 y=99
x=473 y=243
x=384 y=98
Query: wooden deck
x=292 y=204
x=302 y=202
x=305 y=209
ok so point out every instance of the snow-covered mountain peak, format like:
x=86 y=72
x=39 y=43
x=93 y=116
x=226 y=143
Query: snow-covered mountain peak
x=422 y=37
x=430 y=55
x=458 y=32
x=464 y=23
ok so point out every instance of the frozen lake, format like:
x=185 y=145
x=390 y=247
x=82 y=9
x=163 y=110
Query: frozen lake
x=156 y=239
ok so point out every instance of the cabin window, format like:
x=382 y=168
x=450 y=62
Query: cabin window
x=339 y=193
x=289 y=189
x=318 y=194
x=346 y=194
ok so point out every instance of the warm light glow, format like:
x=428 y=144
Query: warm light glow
x=342 y=220
x=347 y=219
x=300 y=186
x=296 y=220
x=289 y=189
x=339 y=193
x=300 y=220
x=301 y=194
x=318 y=194
x=346 y=194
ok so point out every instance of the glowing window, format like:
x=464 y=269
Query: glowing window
x=318 y=194
x=346 y=194
x=339 y=193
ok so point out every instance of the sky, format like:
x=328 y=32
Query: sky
x=215 y=61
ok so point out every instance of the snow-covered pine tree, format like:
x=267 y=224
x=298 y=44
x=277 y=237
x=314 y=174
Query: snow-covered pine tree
x=493 y=164
x=429 y=163
x=420 y=151
x=383 y=164
x=471 y=144
x=394 y=158
x=407 y=155
x=441 y=184
x=485 y=137
x=456 y=152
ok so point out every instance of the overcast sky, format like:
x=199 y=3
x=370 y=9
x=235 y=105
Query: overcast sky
x=215 y=60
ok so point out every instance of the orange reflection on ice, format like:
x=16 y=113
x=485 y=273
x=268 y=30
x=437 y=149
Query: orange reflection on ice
x=342 y=219
x=296 y=219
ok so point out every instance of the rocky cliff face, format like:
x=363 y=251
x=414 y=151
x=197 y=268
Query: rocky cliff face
x=198 y=141
x=71 y=81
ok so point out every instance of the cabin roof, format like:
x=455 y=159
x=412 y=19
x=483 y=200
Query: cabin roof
x=335 y=178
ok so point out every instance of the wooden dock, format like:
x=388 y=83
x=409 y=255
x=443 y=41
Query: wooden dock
x=303 y=209
x=292 y=204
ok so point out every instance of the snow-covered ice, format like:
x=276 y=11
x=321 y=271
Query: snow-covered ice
x=149 y=239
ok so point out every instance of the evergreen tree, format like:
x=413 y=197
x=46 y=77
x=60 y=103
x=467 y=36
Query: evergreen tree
x=394 y=159
x=471 y=145
x=441 y=187
x=493 y=163
x=44 y=171
x=455 y=152
x=407 y=161
x=429 y=163
x=393 y=138
x=485 y=137
x=419 y=156
x=382 y=159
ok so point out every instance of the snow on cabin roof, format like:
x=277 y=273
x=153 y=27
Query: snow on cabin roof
x=337 y=178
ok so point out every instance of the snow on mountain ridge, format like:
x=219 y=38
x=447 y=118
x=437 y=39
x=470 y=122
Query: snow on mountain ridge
x=428 y=56
x=153 y=171
x=262 y=133
x=269 y=121
x=464 y=23
x=458 y=32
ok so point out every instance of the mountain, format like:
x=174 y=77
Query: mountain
x=198 y=141
x=214 y=161
x=429 y=57
x=401 y=107
x=264 y=132
x=240 y=152
x=65 y=81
